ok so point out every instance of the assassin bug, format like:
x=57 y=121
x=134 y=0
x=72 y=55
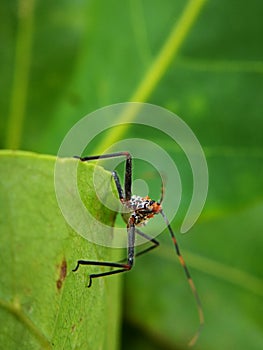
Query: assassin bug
x=140 y=210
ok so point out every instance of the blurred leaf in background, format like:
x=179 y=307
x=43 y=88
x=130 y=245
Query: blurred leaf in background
x=62 y=60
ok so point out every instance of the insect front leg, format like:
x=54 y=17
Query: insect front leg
x=120 y=267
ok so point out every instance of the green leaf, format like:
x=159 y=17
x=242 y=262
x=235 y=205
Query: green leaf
x=43 y=304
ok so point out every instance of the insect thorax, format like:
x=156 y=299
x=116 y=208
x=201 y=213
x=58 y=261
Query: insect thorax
x=141 y=209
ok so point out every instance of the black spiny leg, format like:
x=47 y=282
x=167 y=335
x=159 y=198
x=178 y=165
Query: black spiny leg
x=154 y=242
x=128 y=177
x=121 y=267
x=118 y=185
x=128 y=171
x=130 y=226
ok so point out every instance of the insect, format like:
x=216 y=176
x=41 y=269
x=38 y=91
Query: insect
x=139 y=211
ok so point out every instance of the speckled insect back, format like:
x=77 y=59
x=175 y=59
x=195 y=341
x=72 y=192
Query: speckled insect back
x=142 y=209
x=138 y=210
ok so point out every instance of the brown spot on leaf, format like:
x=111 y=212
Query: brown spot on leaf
x=59 y=284
x=62 y=273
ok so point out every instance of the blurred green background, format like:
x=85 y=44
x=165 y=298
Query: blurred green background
x=61 y=60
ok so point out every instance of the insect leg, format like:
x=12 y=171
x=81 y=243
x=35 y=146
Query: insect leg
x=128 y=177
x=104 y=156
x=118 y=185
x=121 y=267
x=154 y=242
x=128 y=171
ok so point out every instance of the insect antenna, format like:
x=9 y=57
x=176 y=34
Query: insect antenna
x=162 y=191
x=190 y=281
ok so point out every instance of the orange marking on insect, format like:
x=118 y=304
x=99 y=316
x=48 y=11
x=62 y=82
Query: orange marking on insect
x=131 y=220
x=156 y=207
x=181 y=260
x=191 y=283
x=126 y=266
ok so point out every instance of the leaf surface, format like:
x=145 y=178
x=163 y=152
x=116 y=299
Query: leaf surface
x=43 y=304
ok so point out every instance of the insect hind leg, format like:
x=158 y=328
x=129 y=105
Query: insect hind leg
x=118 y=185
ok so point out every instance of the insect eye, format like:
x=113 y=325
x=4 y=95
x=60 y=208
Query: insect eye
x=151 y=202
